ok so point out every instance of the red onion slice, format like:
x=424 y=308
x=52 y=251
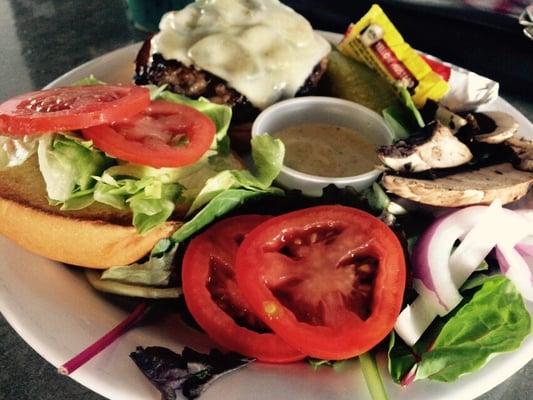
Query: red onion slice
x=439 y=275
x=525 y=247
x=414 y=320
x=517 y=267
x=437 y=289
x=526 y=213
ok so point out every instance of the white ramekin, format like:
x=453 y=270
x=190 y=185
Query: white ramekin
x=302 y=110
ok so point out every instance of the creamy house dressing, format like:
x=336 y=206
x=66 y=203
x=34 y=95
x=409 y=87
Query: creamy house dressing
x=327 y=150
x=262 y=48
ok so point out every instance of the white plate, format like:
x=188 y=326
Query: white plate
x=57 y=313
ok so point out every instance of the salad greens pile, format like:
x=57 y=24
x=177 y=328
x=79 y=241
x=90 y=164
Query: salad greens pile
x=491 y=319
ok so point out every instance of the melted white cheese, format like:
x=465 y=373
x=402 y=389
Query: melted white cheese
x=262 y=48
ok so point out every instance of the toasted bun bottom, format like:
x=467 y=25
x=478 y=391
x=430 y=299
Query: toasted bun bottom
x=87 y=243
x=98 y=236
x=483 y=186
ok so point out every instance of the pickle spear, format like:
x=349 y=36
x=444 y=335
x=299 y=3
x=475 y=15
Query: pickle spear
x=351 y=80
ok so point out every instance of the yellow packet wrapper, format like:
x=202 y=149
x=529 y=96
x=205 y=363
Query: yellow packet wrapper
x=375 y=41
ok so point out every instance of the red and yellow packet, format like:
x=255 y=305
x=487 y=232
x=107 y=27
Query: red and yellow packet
x=375 y=41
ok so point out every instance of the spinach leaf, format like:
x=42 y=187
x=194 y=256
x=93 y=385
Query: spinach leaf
x=491 y=319
x=494 y=321
x=401 y=358
x=188 y=373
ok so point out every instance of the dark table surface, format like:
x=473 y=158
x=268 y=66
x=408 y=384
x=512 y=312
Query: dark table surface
x=41 y=40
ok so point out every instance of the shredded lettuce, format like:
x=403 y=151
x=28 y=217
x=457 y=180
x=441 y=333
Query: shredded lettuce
x=68 y=166
x=77 y=174
x=14 y=151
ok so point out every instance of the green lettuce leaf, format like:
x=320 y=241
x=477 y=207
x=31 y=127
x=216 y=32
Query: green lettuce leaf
x=151 y=201
x=89 y=81
x=68 y=166
x=150 y=210
x=14 y=151
x=155 y=271
x=267 y=153
x=376 y=197
x=398 y=119
x=407 y=101
x=492 y=319
x=131 y=290
x=219 y=114
x=401 y=358
x=403 y=118
x=221 y=204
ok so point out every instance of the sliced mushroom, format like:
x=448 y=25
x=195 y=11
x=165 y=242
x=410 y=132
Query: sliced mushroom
x=523 y=148
x=481 y=186
x=491 y=126
x=434 y=111
x=436 y=148
x=450 y=119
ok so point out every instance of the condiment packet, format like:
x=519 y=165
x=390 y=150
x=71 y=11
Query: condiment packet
x=375 y=41
x=467 y=90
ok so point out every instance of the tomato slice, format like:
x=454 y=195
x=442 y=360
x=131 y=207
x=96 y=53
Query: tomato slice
x=216 y=302
x=164 y=135
x=328 y=280
x=70 y=108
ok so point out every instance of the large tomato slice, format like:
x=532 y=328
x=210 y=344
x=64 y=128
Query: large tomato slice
x=328 y=280
x=70 y=108
x=164 y=135
x=215 y=301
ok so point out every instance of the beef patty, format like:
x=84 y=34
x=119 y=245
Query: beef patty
x=194 y=83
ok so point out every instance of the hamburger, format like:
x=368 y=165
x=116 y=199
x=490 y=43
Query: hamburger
x=242 y=54
x=245 y=54
x=97 y=175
